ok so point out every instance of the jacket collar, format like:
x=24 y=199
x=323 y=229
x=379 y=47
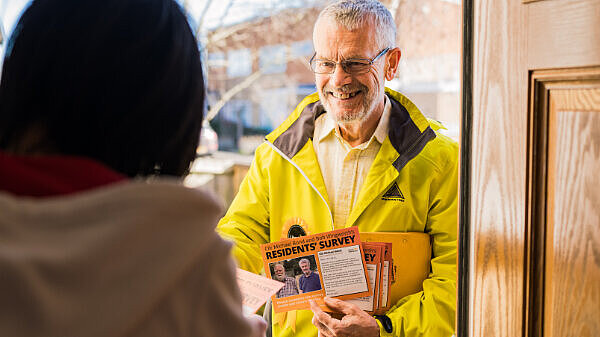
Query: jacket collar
x=408 y=131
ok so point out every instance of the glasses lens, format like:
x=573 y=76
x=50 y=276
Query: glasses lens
x=355 y=66
x=350 y=66
x=322 y=66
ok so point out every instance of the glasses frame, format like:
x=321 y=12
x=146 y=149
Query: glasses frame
x=344 y=62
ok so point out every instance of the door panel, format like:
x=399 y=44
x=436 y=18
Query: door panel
x=572 y=290
x=563 y=157
x=535 y=163
x=563 y=33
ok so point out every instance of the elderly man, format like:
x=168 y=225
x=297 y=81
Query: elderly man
x=289 y=288
x=309 y=281
x=355 y=154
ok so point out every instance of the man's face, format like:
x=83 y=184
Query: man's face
x=279 y=272
x=350 y=98
x=305 y=266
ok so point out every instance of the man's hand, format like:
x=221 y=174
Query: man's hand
x=354 y=323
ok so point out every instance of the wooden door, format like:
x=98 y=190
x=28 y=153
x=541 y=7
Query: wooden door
x=534 y=196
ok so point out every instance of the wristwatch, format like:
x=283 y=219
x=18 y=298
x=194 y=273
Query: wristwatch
x=386 y=322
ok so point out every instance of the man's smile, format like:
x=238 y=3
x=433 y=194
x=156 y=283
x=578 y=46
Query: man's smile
x=344 y=95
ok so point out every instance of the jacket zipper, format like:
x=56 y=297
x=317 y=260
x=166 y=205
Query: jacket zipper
x=305 y=177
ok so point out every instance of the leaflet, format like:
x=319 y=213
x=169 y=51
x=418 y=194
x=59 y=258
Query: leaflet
x=387 y=277
x=255 y=290
x=312 y=267
x=373 y=252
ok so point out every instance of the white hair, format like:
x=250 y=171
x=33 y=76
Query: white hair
x=354 y=14
x=304 y=260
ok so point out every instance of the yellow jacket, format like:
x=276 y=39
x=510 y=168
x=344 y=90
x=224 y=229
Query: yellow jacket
x=283 y=194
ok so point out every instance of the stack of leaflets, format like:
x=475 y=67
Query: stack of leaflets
x=373 y=273
x=378 y=256
x=338 y=264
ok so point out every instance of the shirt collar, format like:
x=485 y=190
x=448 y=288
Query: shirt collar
x=382 y=128
x=328 y=125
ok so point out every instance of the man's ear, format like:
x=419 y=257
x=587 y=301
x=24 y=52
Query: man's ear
x=392 y=61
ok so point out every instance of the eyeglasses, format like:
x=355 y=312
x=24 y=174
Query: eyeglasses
x=350 y=66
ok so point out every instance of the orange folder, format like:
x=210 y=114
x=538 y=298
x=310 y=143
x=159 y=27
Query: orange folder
x=411 y=252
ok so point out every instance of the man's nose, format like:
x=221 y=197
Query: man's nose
x=340 y=77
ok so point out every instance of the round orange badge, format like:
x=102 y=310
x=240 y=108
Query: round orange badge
x=294 y=228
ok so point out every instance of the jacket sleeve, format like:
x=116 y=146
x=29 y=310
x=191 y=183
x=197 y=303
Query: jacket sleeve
x=431 y=312
x=246 y=223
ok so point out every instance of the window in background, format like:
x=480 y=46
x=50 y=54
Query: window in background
x=274 y=107
x=216 y=60
x=272 y=59
x=301 y=49
x=239 y=62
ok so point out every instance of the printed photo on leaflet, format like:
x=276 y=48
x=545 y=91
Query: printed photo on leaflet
x=312 y=267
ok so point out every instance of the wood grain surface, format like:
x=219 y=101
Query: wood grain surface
x=572 y=282
x=498 y=176
x=563 y=34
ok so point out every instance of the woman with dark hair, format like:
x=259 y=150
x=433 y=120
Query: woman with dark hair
x=96 y=96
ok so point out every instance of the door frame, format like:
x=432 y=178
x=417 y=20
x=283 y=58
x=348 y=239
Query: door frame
x=464 y=206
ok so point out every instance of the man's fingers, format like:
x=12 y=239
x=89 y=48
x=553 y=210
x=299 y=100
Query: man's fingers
x=321 y=320
x=323 y=329
x=355 y=323
x=320 y=315
x=341 y=306
x=315 y=308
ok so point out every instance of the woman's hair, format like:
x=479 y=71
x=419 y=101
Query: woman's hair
x=119 y=81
